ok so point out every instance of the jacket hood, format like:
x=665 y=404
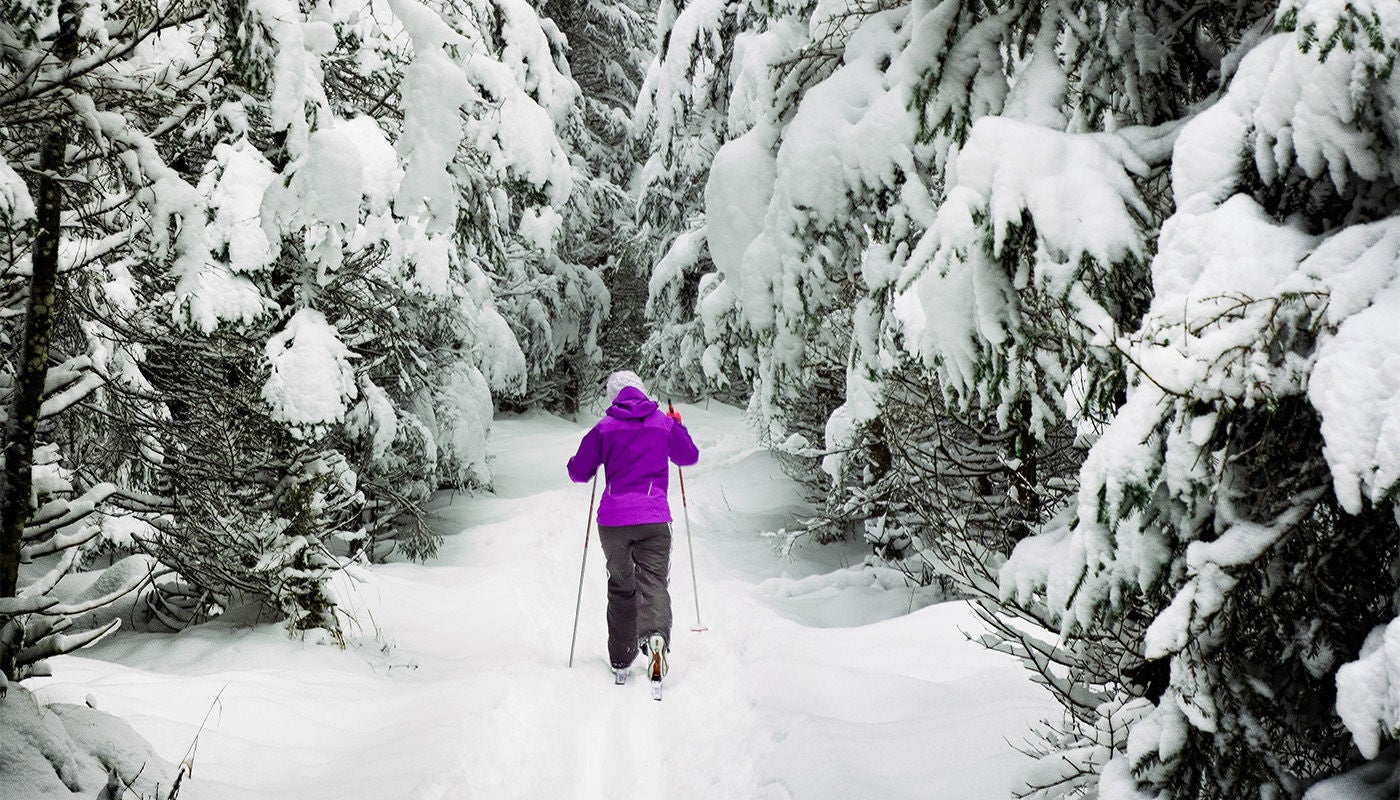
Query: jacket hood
x=631 y=404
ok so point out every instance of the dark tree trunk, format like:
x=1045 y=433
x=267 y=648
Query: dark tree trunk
x=33 y=364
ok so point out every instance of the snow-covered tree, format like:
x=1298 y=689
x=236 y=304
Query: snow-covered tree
x=67 y=216
x=395 y=263
x=683 y=114
x=608 y=51
x=934 y=228
x=312 y=244
x=829 y=169
x=1237 y=513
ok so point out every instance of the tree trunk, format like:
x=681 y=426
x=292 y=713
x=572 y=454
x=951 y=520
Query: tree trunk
x=20 y=428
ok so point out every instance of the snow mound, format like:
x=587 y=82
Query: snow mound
x=48 y=752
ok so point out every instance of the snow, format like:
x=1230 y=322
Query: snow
x=63 y=750
x=211 y=295
x=957 y=304
x=381 y=171
x=813 y=681
x=499 y=354
x=851 y=131
x=15 y=202
x=122 y=531
x=296 y=70
x=111 y=583
x=1038 y=89
x=432 y=261
x=516 y=99
x=683 y=254
x=1117 y=782
x=839 y=436
x=434 y=91
x=1374 y=780
x=1368 y=691
x=755 y=97
x=696 y=29
x=312 y=380
x=462 y=419
x=235 y=198
x=373 y=415
x=736 y=196
x=788 y=200
x=540 y=226
x=1218 y=276
x=527 y=54
x=1077 y=189
x=1210 y=581
x=1208 y=175
x=1286 y=108
x=326 y=187
x=1355 y=384
x=520 y=134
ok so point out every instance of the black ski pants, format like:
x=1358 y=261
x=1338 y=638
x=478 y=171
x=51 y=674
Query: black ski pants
x=639 y=564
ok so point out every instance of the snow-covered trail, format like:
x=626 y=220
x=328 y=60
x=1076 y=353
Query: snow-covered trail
x=811 y=682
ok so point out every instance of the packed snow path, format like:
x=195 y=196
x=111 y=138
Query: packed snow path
x=813 y=680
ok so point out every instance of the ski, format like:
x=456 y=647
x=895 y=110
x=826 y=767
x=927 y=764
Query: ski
x=620 y=676
x=656 y=690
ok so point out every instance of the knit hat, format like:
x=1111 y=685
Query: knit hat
x=622 y=379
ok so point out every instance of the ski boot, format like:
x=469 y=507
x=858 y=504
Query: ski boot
x=656 y=662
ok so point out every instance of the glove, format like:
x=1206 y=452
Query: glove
x=672 y=412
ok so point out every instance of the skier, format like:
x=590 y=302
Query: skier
x=633 y=443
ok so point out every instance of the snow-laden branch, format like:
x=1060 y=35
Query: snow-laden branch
x=61 y=513
x=123 y=578
x=43 y=77
x=57 y=643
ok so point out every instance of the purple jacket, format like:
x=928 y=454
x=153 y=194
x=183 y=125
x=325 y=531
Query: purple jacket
x=633 y=443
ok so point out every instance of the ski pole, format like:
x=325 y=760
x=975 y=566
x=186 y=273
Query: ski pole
x=578 y=604
x=690 y=545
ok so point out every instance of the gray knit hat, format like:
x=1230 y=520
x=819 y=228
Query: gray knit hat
x=621 y=379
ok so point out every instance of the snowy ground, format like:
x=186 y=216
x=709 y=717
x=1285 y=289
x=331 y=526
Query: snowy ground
x=812 y=681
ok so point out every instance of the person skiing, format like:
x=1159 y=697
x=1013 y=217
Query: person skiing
x=633 y=442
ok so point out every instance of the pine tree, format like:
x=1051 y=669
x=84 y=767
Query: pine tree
x=954 y=231
x=1224 y=517
x=70 y=217
x=682 y=115
x=303 y=266
x=608 y=50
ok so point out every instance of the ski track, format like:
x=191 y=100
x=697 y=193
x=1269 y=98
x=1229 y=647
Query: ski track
x=456 y=685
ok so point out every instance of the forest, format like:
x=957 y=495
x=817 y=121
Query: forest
x=1083 y=311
